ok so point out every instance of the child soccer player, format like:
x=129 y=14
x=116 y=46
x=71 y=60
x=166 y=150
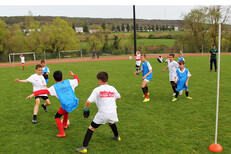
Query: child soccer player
x=182 y=79
x=147 y=76
x=105 y=98
x=64 y=91
x=172 y=66
x=180 y=57
x=45 y=71
x=22 y=60
x=160 y=59
x=38 y=83
x=138 y=61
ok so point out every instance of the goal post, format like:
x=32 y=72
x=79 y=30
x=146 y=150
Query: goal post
x=23 y=53
x=69 y=54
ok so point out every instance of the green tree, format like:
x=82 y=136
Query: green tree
x=118 y=28
x=123 y=27
x=116 y=42
x=85 y=28
x=103 y=26
x=128 y=27
x=4 y=33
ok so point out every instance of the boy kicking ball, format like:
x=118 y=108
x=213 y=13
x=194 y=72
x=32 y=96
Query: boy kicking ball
x=64 y=91
x=105 y=98
x=181 y=80
x=147 y=76
x=38 y=83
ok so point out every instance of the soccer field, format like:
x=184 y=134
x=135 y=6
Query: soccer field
x=159 y=126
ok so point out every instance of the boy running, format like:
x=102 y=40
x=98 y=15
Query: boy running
x=38 y=83
x=172 y=66
x=180 y=57
x=22 y=60
x=181 y=80
x=147 y=76
x=64 y=91
x=45 y=71
x=138 y=61
x=105 y=98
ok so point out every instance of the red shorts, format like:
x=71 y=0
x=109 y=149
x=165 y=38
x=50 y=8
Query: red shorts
x=62 y=111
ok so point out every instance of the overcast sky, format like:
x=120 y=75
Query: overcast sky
x=145 y=9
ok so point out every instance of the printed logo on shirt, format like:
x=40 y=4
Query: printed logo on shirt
x=104 y=94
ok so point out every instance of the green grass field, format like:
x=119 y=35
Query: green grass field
x=161 y=126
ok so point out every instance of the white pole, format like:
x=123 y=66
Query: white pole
x=218 y=81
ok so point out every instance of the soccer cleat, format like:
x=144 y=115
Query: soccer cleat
x=146 y=100
x=174 y=99
x=173 y=94
x=34 y=121
x=117 y=138
x=189 y=97
x=61 y=135
x=82 y=150
x=144 y=95
x=65 y=127
x=44 y=107
x=181 y=92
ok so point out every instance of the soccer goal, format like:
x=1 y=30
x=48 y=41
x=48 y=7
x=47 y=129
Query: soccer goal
x=27 y=55
x=70 y=54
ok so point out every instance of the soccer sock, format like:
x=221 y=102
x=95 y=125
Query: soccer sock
x=137 y=70
x=44 y=106
x=177 y=92
x=145 y=92
x=59 y=125
x=65 y=118
x=186 y=92
x=87 y=137
x=23 y=67
x=146 y=89
x=35 y=117
x=174 y=88
x=114 y=129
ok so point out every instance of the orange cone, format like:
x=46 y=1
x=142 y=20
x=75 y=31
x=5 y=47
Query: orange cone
x=215 y=148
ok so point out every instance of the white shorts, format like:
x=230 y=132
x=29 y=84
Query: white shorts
x=138 y=63
x=172 y=77
x=102 y=119
x=146 y=80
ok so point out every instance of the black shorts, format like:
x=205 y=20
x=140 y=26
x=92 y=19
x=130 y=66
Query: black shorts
x=137 y=66
x=94 y=125
x=43 y=97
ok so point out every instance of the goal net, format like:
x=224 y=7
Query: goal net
x=13 y=57
x=70 y=54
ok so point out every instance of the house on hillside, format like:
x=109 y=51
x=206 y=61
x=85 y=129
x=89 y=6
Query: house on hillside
x=79 y=29
x=176 y=28
x=93 y=30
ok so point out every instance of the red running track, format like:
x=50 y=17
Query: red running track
x=101 y=59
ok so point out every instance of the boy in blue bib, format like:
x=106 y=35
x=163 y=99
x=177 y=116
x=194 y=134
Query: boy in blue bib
x=181 y=80
x=64 y=91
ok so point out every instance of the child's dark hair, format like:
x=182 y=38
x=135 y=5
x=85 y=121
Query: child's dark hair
x=172 y=54
x=58 y=75
x=42 y=61
x=38 y=66
x=102 y=76
x=143 y=54
x=181 y=62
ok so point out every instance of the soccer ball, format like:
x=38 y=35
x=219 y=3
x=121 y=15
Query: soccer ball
x=68 y=122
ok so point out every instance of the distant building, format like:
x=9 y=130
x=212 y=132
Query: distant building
x=176 y=28
x=93 y=30
x=79 y=29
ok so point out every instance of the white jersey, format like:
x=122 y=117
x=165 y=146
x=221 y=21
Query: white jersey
x=105 y=98
x=38 y=82
x=161 y=59
x=172 y=67
x=22 y=60
x=138 y=59
x=73 y=83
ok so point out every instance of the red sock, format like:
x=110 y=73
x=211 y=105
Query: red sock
x=146 y=95
x=65 y=118
x=59 y=125
x=23 y=66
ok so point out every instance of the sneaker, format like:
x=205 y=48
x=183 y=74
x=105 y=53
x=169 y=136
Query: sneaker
x=117 y=138
x=44 y=107
x=82 y=150
x=173 y=94
x=146 y=100
x=61 y=135
x=181 y=92
x=174 y=99
x=189 y=97
x=34 y=121
x=144 y=95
